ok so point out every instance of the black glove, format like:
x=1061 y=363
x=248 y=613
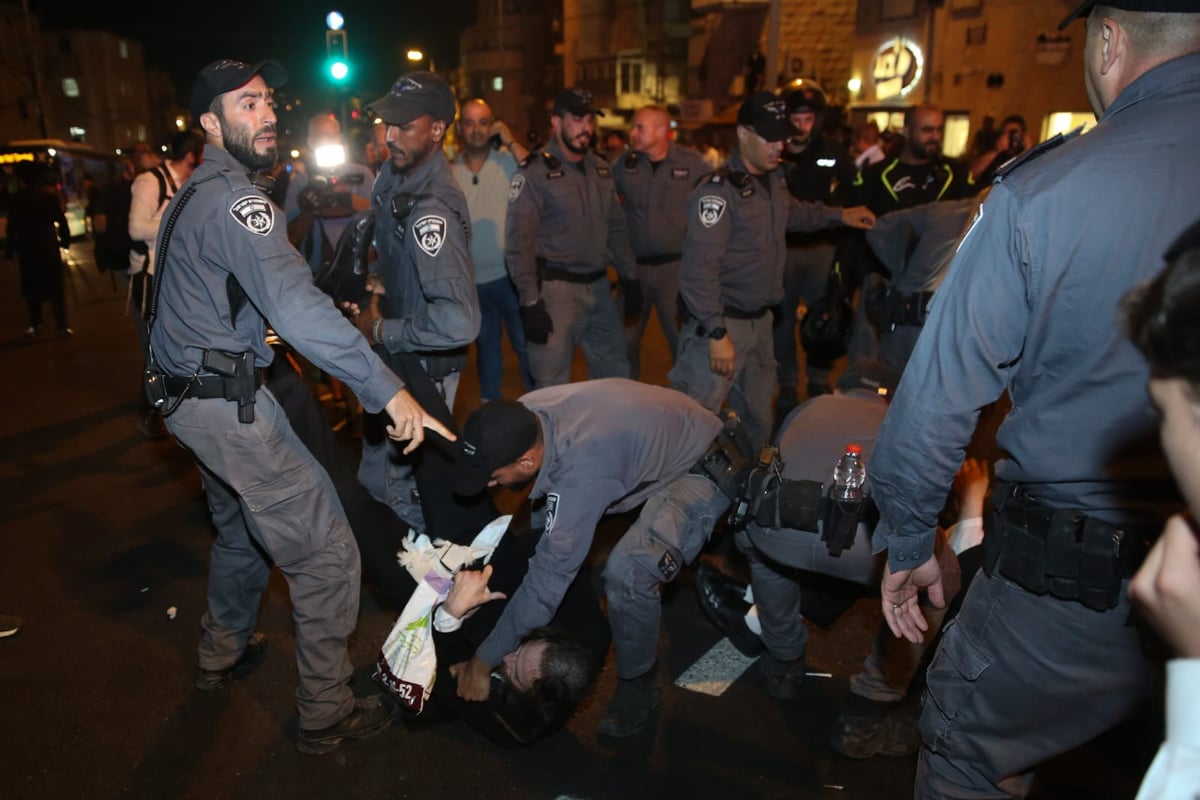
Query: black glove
x=309 y=199
x=634 y=301
x=537 y=322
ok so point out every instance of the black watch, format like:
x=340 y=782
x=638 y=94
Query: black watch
x=716 y=334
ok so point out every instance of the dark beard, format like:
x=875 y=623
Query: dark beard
x=243 y=149
x=579 y=151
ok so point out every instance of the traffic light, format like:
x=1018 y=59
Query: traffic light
x=337 y=61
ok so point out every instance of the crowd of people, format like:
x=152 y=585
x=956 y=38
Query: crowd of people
x=946 y=297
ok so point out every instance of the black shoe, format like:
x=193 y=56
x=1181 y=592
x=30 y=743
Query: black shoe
x=371 y=715
x=784 y=678
x=893 y=734
x=721 y=600
x=629 y=711
x=252 y=656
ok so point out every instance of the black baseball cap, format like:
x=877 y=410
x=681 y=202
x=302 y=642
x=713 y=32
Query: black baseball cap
x=494 y=436
x=575 y=101
x=415 y=94
x=228 y=74
x=1153 y=6
x=805 y=96
x=766 y=115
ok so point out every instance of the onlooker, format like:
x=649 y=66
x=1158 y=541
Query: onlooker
x=37 y=234
x=614 y=146
x=1012 y=141
x=867 y=149
x=1163 y=320
x=483 y=173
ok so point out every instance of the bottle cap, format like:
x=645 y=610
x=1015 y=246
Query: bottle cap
x=854 y=448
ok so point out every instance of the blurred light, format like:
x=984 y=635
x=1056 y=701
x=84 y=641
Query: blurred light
x=415 y=55
x=335 y=20
x=338 y=70
x=179 y=123
x=354 y=114
x=498 y=84
x=118 y=151
x=78 y=131
x=164 y=148
x=378 y=121
x=52 y=152
x=330 y=155
x=295 y=154
x=854 y=84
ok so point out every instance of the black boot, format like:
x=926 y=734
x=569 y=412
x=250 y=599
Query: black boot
x=629 y=711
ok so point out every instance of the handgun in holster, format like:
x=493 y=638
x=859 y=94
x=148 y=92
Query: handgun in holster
x=239 y=374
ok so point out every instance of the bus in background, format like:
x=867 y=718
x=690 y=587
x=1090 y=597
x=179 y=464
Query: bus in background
x=80 y=170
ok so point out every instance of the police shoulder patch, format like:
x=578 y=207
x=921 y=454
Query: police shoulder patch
x=712 y=208
x=668 y=566
x=431 y=233
x=551 y=511
x=515 y=186
x=254 y=213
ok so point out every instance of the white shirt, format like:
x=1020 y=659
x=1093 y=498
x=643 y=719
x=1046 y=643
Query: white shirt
x=1175 y=773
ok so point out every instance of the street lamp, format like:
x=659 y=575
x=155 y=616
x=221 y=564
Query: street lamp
x=415 y=55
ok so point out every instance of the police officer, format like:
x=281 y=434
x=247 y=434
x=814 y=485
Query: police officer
x=1042 y=657
x=429 y=307
x=228 y=268
x=817 y=170
x=654 y=182
x=732 y=270
x=590 y=449
x=565 y=225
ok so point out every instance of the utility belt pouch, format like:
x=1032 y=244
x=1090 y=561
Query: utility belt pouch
x=155 y=387
x=238 y=372
x=441 y=365
x=1100 y=574
x=727 y=462
x=841 y=523
x=798 y=505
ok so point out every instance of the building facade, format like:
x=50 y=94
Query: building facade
x=511 y=57
x=22 y=67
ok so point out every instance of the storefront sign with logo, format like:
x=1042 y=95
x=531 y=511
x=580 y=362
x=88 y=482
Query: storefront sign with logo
x=896 y=68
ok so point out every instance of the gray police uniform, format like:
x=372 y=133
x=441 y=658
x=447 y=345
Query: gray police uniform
x=611 y=445
x=265 y=491
x=564 y=227
x=916 y=245
x=1030 y=305
x=430 y=306
x=811 y=440
x=731 y=275
x=655 y=196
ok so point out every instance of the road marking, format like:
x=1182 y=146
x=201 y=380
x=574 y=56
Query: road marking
x=716 y=670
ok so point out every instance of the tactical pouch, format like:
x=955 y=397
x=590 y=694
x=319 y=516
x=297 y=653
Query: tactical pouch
x=1063 y=553
x=791 y=504
x=841 y=523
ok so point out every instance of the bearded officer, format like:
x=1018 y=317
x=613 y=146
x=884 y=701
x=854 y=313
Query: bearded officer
x=732 y=270
x=429 y=308
x=565 y=226
x=227 y=269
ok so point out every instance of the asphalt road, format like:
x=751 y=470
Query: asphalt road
x=104 y=533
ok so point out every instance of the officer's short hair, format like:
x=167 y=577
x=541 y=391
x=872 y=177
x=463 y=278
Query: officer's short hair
x=910 y=116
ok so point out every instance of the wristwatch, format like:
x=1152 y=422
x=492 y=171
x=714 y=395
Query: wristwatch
x=716 y=334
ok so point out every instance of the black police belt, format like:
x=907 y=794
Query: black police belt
x=728 y=312
x=1063 y=553
x=658 y=261
x=441 y=364
x=228 y=376
x=206 y=387
x=549 y=273
x=759 y=493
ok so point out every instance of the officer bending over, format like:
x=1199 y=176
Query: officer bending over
x=590 y=449
x=225 y=268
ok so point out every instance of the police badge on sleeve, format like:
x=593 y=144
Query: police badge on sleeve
x=431 y=234
x=515 y=187
x=712 y=208
x=254 y=213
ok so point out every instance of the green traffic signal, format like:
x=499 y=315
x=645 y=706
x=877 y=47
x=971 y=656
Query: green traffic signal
x=339 y=70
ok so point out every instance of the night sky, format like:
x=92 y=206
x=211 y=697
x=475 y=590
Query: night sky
x=181 y=36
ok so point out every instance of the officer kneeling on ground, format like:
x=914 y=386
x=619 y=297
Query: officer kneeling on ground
x=224 y=268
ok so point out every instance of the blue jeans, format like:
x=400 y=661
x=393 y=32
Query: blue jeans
x=499 y=308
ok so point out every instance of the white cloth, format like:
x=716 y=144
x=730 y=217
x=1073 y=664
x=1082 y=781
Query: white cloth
x=1175 y=773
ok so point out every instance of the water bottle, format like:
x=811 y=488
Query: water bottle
x=849 y=475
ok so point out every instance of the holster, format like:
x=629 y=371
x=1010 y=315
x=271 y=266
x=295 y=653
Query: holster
x=1064 y=553
x=728 y=460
